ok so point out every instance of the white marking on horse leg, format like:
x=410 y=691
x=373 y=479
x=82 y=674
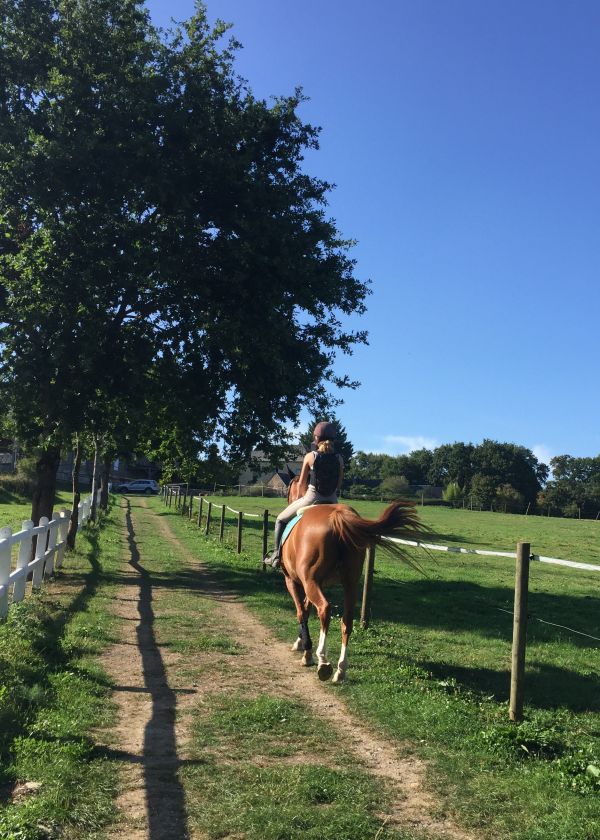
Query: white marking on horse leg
x=322 y=648
x=307 y=658
x=298 y=644
x=342 y=665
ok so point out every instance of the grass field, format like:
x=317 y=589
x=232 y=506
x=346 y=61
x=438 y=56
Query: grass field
x=570 y=539
x=432 y=672
x=52 y=694
x=14 y=511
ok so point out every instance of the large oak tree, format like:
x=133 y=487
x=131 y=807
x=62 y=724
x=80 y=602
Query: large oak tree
x=164 y=256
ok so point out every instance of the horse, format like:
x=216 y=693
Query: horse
x=326 y=547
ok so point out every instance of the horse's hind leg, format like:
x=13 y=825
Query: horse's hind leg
x=323 y=608
x=350 y=590
x=303 y=642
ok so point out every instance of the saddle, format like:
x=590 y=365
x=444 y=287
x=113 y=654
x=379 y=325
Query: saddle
x=292 y=524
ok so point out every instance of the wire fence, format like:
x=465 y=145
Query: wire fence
x=248 y=532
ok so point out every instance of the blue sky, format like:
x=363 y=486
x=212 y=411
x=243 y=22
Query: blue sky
x=463 y=137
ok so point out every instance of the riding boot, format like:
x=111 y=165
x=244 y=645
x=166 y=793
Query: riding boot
x=274 y=559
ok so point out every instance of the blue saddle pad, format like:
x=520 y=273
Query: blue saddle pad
x=290 y=526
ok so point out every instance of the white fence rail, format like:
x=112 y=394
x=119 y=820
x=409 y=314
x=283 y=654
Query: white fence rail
x=589 y=567
x=15 y=549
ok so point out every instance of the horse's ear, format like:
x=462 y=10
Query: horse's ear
x=291 y=473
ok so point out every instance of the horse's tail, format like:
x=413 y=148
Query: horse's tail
x=400 y=519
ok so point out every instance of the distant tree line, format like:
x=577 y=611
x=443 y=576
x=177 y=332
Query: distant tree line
x=574 y=489
x=491 y=475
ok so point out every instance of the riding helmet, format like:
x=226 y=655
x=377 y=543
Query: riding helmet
x=325 y=431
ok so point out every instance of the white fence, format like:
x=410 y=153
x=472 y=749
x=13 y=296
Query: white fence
x=49 y=552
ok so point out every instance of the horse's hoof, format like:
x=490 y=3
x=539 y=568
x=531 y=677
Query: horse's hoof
x=339 y=676
x=298 y=645
x=307 y=659
x=324 y=671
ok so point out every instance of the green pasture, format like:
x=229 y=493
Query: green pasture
x=432 y=672
x=53 y=694
x=15 y=510
x=569 y=539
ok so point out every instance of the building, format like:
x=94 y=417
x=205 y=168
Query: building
x=261 y=470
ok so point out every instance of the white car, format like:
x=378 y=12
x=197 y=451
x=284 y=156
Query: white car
x=138 y=485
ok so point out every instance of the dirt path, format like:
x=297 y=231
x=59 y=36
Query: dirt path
x=153 y=746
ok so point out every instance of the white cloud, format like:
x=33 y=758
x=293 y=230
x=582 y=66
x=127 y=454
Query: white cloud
x=403 y=444
x=542 y=453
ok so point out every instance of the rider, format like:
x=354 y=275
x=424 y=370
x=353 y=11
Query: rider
x=320 y=481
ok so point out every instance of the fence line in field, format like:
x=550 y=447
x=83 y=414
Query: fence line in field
x=51 y=542
x=174 y=492
x=590 y=567
x=522 y=556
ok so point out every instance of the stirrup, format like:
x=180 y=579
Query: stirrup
x=273 y=559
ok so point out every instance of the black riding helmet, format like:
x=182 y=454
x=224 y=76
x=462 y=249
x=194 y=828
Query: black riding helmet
x=325 y=431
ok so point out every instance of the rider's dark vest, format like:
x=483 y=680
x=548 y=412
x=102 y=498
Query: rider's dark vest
x=325 y=472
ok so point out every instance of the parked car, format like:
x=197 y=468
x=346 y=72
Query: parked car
x=138 y=485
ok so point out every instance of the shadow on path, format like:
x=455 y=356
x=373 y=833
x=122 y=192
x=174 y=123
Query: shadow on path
x=165 y=801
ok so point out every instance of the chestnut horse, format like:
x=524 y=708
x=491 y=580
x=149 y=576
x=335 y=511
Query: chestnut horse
x=327 y=546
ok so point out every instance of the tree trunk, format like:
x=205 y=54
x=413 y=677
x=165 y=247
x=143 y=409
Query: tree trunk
x=45 y=484
x=74 y=521
x=42 y=503
x=94 y=510
x=106 y=462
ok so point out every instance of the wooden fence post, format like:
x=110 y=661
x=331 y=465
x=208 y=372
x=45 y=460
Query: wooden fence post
x=199 y=521
x=191 y=507
x=208 y=514
x=183 y=506
x=239 y=532
x=517 y=674
x=265 y=534
x=367 y=587
x=222 y=523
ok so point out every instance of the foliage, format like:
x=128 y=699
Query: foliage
x=394 y=487
x=509 y=499
x=575 y=486
x=155 y=221
x=580 y=770
x=453 y=492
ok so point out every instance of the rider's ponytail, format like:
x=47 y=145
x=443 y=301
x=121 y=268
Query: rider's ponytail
x=325 y=446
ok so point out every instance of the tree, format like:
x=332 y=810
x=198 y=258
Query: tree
x=160 y=241
x=507 y=463
x=483 y=490
x=452 y=462
x=453 y=492
x=575 y=486
x=394 y=487
x=509 y=499
x=366 y=467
